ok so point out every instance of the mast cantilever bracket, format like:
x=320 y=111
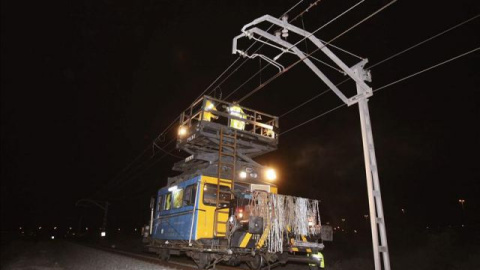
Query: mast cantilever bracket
x=249 y=30
x=365 y=75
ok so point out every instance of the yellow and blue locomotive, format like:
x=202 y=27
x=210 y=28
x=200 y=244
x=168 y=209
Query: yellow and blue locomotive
x=224 y=206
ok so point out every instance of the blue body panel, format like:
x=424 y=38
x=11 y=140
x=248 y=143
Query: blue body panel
x=175 y=224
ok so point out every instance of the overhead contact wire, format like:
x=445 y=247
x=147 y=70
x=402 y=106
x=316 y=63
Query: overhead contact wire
x=383 y=87
x=384 y=61
x=318 y=48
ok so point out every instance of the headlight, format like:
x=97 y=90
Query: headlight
x=243 y=174
x=270 y=174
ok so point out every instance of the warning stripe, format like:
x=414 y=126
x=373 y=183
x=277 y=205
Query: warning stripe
x=245 y=240
x=305 y=240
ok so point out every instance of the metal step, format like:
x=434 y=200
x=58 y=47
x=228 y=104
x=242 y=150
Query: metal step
x=228 y=154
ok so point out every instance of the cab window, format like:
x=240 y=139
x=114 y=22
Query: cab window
x=160 y=203
x=189 y=195
x=177 y=198
x=168 y=201
x=210 y=195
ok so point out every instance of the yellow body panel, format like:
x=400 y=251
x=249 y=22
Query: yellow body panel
x=206 y=215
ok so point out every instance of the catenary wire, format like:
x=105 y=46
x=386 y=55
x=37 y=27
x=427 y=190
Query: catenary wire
x=306 y=10
x=235 y=70
x=264 y=67
x=427 y=69
x=383 y=61
x=426 y=40
x=141 y=190
x=127 y=167
x=318 y=48
x=258 y=49
x=224 y=72
x=324 y=25
x=166 y=152
x=313 y=98
x=241 y=64
x=307 y=54
x=382 y=87
x=141 y=167
x=171 y=124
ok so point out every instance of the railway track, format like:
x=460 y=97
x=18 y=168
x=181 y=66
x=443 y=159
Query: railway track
x=176 y=263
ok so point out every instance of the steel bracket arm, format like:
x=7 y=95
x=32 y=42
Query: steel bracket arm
x=313 y=39
x=302 y=56
x=235 y=42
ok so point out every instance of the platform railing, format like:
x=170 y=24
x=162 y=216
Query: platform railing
x=255 y=122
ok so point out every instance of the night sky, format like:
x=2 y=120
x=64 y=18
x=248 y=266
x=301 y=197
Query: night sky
x=86 y=86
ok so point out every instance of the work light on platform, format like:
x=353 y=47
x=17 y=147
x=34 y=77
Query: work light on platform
x=182 y=131
x=270 y=174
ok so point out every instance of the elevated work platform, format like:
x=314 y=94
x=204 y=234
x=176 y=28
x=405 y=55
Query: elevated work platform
x=200 y=125
x=223 y=137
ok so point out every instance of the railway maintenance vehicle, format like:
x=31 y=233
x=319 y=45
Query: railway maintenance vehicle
x=224 y=206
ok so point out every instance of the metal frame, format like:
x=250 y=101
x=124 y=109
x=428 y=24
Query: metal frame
x=205 y=141
x=359 y=75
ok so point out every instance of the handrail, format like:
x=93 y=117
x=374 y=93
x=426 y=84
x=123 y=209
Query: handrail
x=194 y=113
x=243 y=107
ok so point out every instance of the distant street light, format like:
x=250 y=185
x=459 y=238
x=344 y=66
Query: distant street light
x=462 y=202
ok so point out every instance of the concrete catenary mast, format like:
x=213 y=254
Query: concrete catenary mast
x=360 y=76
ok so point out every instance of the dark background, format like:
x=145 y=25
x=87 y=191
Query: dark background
x=87 y=85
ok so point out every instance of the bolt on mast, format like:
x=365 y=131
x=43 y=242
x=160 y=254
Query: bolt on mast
x=360 y=76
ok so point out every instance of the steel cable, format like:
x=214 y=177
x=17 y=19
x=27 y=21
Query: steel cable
x=383 y=87
x=383 y=61
x=318 y=48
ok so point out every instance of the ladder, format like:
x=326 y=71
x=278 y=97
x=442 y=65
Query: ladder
x=227 y=148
